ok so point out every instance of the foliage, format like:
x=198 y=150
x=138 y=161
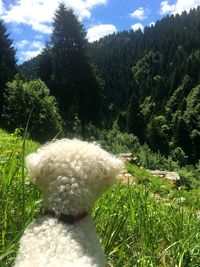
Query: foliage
x=198 y=170
x=30 y=103
x=179 y=156
x=118 y=142
x=160 y=68
x=29 y=69
x=65 y=67
x=157 y=134
x=151 y=80
x=7 y=61
x=114 y=140
x=134 y=118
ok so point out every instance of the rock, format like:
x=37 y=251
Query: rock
x=157 y=173
x=128 y=157
x=197 y=214
x=179 y=200
x=173 y=176
x=126 y=177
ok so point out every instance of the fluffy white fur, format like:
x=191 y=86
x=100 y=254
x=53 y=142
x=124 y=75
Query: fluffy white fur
x=72 y=174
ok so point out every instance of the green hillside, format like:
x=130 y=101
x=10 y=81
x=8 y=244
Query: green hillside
x=146 y=82
x=152 y=82
x=144 y=222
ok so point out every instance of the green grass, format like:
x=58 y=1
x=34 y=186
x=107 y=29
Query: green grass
x=138 y=230
x=141 y=225
x=18 y=198
x=167 y=189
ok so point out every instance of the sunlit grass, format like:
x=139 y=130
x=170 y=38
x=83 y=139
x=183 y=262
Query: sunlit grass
x=135 y=227
x=138 y=230
x=18 y=198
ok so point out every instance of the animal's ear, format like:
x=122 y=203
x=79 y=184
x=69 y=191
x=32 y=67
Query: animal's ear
x=114 y=166
x=108 y=165
x=32 y=162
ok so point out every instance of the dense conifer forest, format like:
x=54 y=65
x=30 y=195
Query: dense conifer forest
x=152 y=82
x=147 y=83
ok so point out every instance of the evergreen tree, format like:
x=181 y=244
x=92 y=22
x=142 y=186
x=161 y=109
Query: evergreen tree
x=74 y=80
x=7 y=61
x=134 y=120
x=192 y=120
x=156 y=135
x=45 y=68
x=30 y=69
x=181 y=136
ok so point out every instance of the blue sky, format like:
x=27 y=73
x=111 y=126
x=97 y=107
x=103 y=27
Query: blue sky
x=29 y=21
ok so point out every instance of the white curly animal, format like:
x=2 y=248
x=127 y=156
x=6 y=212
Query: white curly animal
x=72 y=174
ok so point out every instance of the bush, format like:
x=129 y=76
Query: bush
x=179 y=156
x=31 y=103
x=117 y=142
x=198 y=170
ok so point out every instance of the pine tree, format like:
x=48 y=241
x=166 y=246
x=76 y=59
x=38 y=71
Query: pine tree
x=182 y=137
x=134 y=120
x=45 y=68
x=7 y=61
x=74 y=80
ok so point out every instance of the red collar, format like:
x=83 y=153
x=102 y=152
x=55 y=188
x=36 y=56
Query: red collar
x=66 y=218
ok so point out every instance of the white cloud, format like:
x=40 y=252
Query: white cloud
x=92 y=3
x=137 y=26
x=34 y=48
x=34 y=13
x=17 y=30
x=29 y=49
x=178 y=7
x=1 y=7
x=34 y=44
x=42 y=28
x=186 y=5
x=96 y=32
x=39 y=13
x=26 y=55
x=139 y=13
x=37 y=44
x=22 y=43
x=152 y=23
x=39 y=37
x=166 y=8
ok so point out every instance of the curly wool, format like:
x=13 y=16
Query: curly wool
x=72 y=175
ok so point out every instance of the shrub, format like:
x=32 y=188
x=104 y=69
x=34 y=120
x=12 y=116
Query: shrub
x=179 y=156
x=198 y=170
x=117 y=142
x=31 y=103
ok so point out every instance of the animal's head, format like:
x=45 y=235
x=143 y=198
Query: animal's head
x=72 y=174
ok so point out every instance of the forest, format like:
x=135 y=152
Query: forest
x=144 y=83
x=152 y=82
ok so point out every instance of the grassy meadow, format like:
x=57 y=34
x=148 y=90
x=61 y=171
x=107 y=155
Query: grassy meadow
x=146 y=222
